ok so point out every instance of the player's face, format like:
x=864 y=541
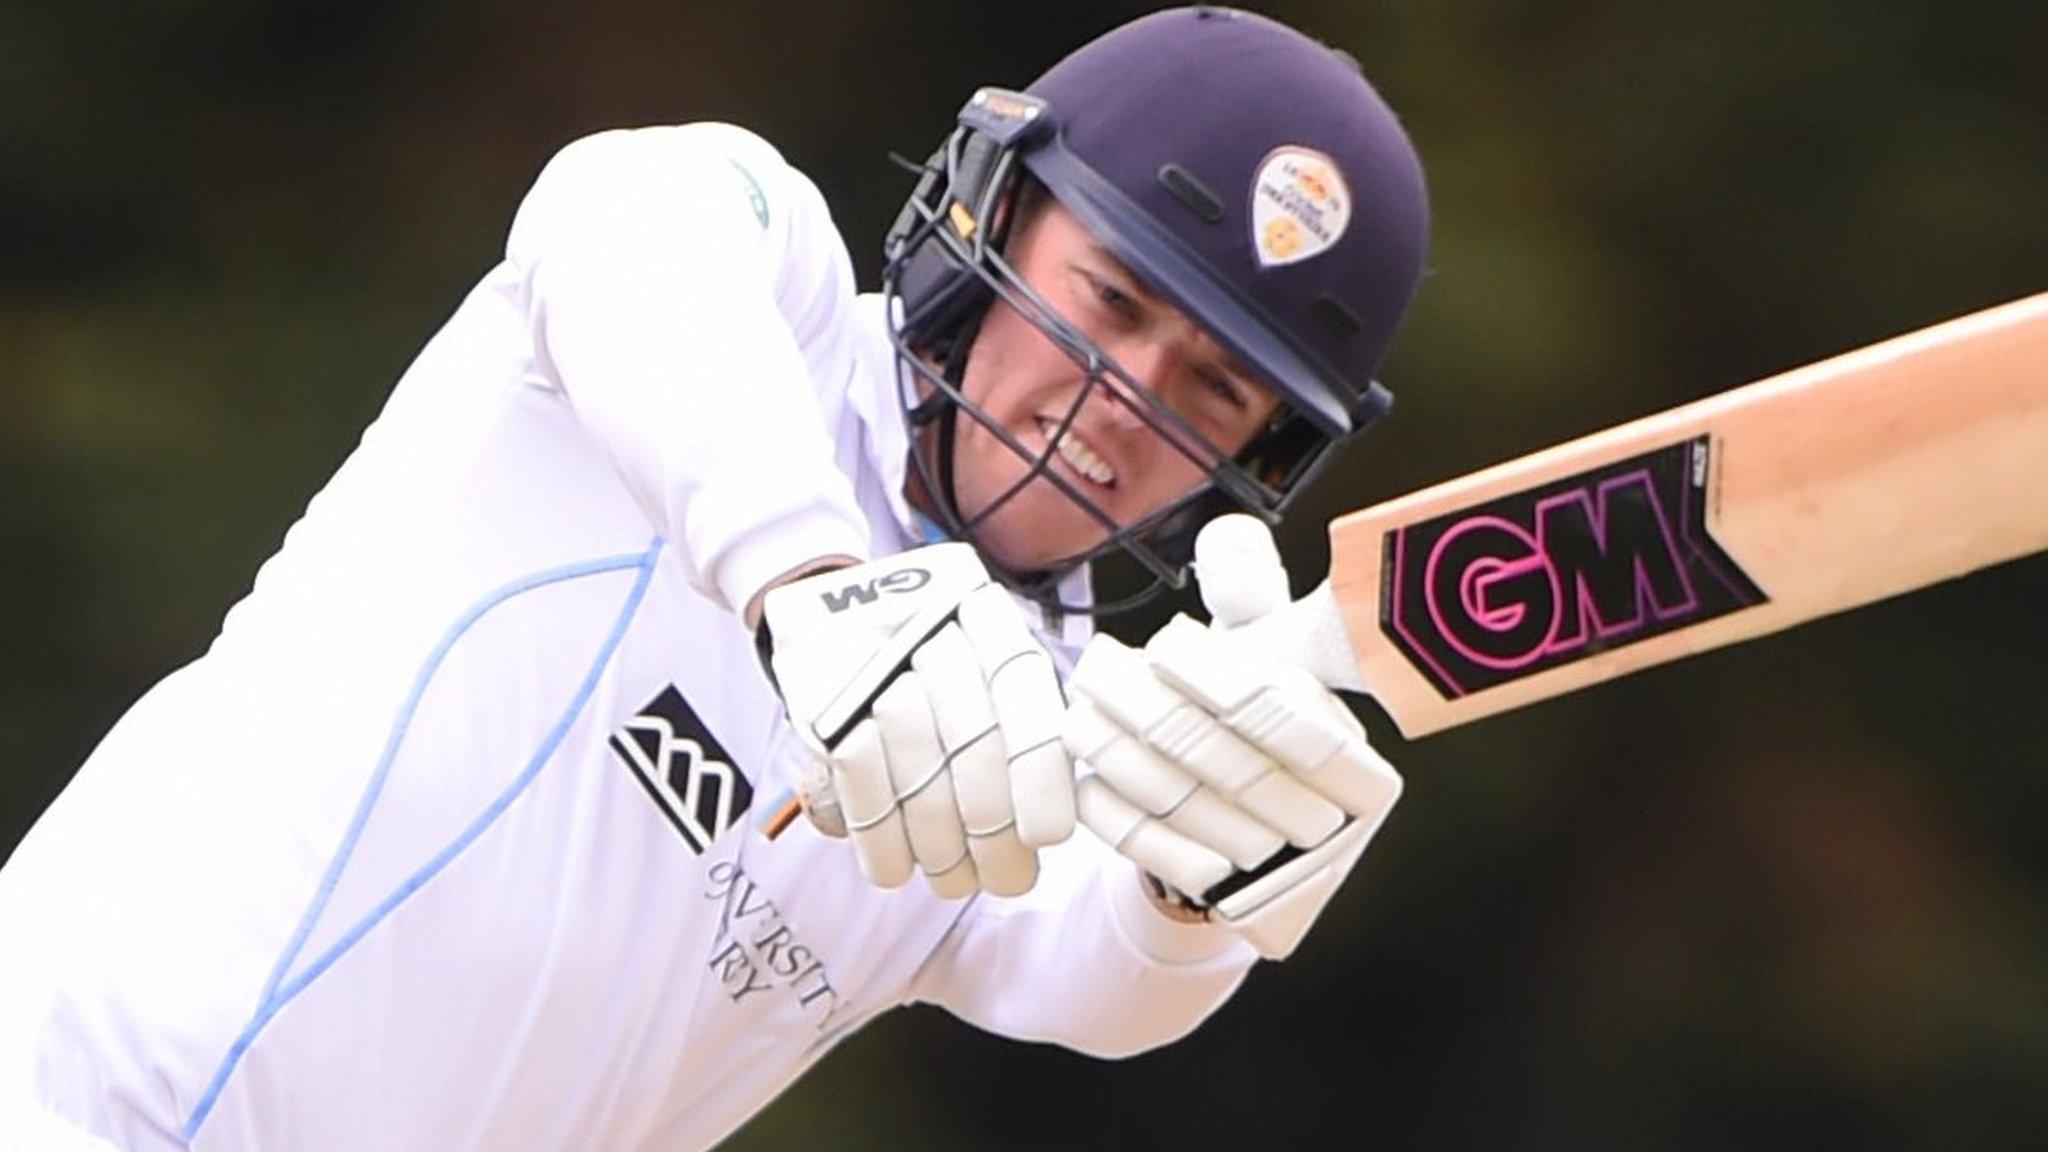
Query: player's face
x=1026 y=383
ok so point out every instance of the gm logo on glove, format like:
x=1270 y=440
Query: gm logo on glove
x=868 y=591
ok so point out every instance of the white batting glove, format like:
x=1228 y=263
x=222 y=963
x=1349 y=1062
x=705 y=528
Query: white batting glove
x=1237 y=780
x=934 y=715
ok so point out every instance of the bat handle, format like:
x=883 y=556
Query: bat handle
x=1309 y=633
x=1244 y=587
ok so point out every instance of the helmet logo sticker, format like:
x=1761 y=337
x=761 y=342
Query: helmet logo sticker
x=1300 y=206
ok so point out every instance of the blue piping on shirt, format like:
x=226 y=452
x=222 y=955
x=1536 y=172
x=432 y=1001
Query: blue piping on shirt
x=277 y=992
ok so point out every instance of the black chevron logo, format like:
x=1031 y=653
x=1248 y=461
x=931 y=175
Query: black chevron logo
x=682 y=765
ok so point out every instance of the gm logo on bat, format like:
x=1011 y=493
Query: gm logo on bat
x=1559 y=572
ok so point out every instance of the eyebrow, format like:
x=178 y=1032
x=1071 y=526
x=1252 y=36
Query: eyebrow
x=1225 y=360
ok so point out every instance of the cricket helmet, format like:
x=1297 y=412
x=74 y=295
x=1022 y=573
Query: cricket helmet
x=1244 y=172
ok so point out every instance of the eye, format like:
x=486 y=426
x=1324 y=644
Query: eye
x=1109 y=296
x=1220 y=388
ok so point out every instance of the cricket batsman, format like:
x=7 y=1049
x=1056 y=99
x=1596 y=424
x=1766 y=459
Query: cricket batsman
x=472 y=829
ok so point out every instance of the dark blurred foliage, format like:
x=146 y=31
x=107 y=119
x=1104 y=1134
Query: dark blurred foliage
x=1785 y=895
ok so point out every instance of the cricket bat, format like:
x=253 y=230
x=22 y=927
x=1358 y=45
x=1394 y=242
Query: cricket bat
x=1873 y=473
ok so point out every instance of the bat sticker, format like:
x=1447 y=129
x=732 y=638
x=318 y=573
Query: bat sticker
x=1557 y=573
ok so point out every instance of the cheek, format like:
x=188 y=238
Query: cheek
x=992 y=369
x=1015 y=367
x=1165 y=479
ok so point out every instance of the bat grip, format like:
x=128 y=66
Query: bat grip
x=1309 y=633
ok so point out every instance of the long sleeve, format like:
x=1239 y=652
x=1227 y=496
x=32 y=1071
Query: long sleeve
x=1083 y=960
x=680 y=283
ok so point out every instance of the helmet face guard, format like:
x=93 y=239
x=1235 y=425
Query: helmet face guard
x=1303 y=296
x=932 y=394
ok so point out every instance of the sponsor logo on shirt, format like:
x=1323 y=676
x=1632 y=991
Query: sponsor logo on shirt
x=755 y=950
x=679 y=762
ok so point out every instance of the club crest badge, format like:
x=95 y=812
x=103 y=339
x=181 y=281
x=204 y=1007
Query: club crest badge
x=1300 y=206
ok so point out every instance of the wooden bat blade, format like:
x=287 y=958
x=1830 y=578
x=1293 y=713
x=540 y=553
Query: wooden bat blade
x=1860 y=477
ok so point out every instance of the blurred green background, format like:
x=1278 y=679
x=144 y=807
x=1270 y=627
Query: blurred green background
x=1787 y=895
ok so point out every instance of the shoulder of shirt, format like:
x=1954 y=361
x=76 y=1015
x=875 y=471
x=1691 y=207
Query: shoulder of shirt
x=673 y=143
x=707 y=162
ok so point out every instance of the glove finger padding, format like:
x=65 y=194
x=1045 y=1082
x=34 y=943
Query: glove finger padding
x=1241 y=576
x=1279 y=708
x=1029 y=708
x=1118 y=680
x=973 y=745
x=1177 y=859
x=924 y=789
x=917 y=682
x=860 y=775
x=1162 y=792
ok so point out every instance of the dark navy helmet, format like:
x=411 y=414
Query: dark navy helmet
x=1246 y=173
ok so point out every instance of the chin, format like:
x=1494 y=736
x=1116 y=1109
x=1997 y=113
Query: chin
x=1019 y=538
x=1025 y=555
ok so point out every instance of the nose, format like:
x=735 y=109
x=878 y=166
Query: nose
x=1151 y=360
x=1150 y=363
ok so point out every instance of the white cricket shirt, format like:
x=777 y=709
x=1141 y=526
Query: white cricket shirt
x=451 y=839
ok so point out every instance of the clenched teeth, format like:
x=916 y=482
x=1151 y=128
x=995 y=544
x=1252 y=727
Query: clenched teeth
x=1083 y=458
